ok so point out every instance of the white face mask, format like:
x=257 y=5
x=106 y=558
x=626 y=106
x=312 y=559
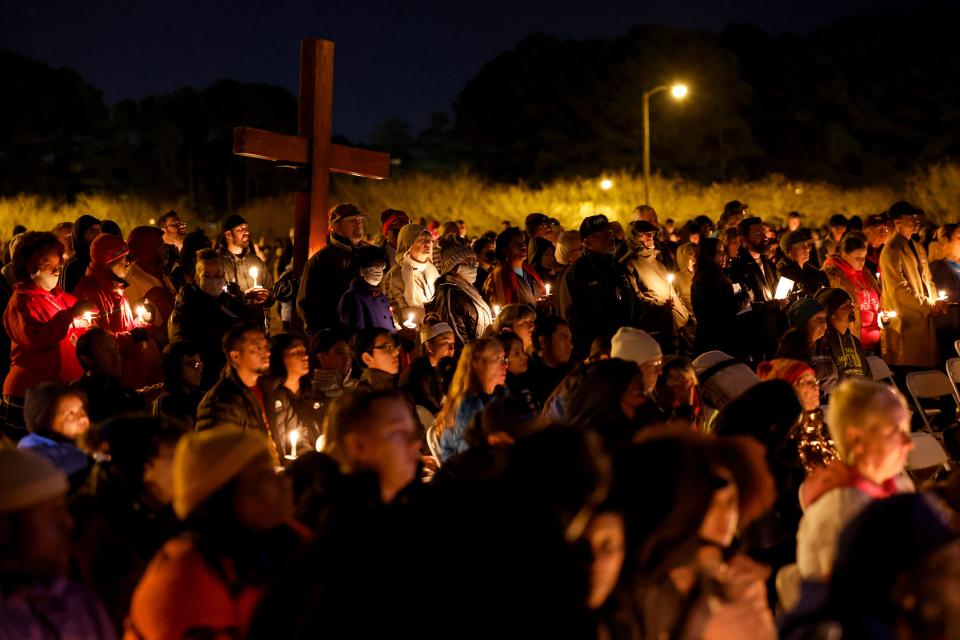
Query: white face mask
x=468 y=272
x=372 y=275
x=212 y=286
x=46 y=281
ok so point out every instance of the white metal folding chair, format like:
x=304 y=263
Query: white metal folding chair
x=928 y=457
x=930 y=384
x=433 y=443
x=956 y=346
x=879 y=370
x=953 y=372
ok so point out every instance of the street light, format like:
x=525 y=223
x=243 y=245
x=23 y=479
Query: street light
x=679 y=92
x=606 y=184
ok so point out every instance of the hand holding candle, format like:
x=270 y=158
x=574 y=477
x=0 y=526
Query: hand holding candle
x=294 y=438
x=320 y=441
x=254 y=272
x=496 y=310
x=941 y=295
x=410 y=322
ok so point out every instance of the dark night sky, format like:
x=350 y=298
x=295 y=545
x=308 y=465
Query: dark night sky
x=403 y=58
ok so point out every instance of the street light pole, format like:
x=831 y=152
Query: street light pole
x=678 y=91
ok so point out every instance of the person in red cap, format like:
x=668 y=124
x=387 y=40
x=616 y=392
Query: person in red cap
x=392 y=220
x=103 y=285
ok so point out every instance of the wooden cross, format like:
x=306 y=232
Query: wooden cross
x=312 y=147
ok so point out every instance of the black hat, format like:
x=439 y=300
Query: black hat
x=343 y=211
x=592 y=224
x=902 y=208
x=838 y=220
x=832 y=299
x=367 y=255
x=875 y=220
x=534 y=220
x=733 y=207
x=232 y=221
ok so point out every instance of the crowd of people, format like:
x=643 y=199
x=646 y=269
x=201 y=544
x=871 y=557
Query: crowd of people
x=637 y=431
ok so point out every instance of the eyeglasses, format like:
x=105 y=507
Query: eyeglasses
x=192 y=364
x=389 y=348
x=812 y=382
x=176 y=225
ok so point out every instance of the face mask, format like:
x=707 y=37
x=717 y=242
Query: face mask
x=468 y=272
x=46 y=281
x=212 y=286
x=372 y=275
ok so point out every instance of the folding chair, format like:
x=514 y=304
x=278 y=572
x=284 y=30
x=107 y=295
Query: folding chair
x=930 y=385
x=927 y=459
x=953 y=372
x=956 y=346
x=433 y=443
x=879 y=370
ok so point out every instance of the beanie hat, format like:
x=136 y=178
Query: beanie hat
x=343 y=211
x=40 y=405
x=452 y=253
x=785 y=369
x=431 y=331
x=107 y=248
x=802 y=310
x=635 y=345
x=232 y=221
x=722 y=377
x=206 y=461
x=389 y=217
x=145 y=241
x=568 y=242
x=832 y=299
x=27 y=479
x=407 y=235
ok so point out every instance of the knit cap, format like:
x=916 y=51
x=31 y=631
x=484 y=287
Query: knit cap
x=407 y=235
x=802 y=310
x=568 y=242
x=107 y=248
x=635 y=345
x=206 y=461
x=452 y=253
x=785 y=369
x=27 y=479
x=389 y=217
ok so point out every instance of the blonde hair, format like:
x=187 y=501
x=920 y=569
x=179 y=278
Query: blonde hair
x=465 y=380
x=859 y=402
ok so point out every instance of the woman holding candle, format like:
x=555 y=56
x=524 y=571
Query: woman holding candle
x=43 y=323
x=457 y=302
x=848 y=271
x=297 y=421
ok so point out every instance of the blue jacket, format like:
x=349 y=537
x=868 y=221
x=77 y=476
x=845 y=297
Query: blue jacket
x=451 y=440
x=64 y=455
x=363 y=306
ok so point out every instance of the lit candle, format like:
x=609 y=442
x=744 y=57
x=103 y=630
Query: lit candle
x=496 y=310
x=548 y=287
x=942 y=295
x=88 y=316
x=294 y=437
x=891 y=314
x=320 y=443
x=410 y=322
x=254 y=272
x=670 y=278
x=141 y=315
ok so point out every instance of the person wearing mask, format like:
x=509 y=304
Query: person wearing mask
x=870 y=425
x=380 y=357
x=391 y=221
x=294 y=404
x=795 y=265
x=663 y=247
x=550 y=362
x=513 y=280
x=85 y=229
x=375 y=431
x=325 y=276
x=457 y=301
x=595 y=296
x=43 y=324
x=239 y=533
x=364 y=304
x=56 y=418
x=910 y=336
x=483 y=248
x=843 y=345
x=204 y=312
x=848 y=271
x=104 y=285
x=423 y=379
x=716 y=302
x=481 y=370
x=182 y=382
x=248 y=278
x=106 y=396
x=411 y=283
x=518 y=382
x=242 y=398
x=148 y=284
x=876 y=228
x=38 y=599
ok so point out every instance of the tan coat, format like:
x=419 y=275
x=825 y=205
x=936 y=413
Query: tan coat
x=910 y=338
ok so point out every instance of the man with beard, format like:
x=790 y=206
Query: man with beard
x=595 y=296
x=240 y=397
x=174 y=231
x=326 y=274
x=248 y=278
x=756 y=273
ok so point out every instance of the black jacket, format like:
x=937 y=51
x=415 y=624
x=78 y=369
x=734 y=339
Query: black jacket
x=325 y=279
x=231 y=402
x=423 y=382
x=715 y=306
x=76 y=266
x=203 y=320
x=745 y=271
x=236 y=269
x=807 y=279
x=106 y=397
x=595 y=297
x=457 y=309
x=542 y=379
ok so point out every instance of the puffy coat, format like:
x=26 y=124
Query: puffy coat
x=468 y=315
x=43 y=337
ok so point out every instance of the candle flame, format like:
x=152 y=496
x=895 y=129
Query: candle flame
x=254 y=272
x=320 y=443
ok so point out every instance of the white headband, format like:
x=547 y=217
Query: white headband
x=429 y=332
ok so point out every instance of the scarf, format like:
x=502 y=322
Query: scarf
x=419 y=281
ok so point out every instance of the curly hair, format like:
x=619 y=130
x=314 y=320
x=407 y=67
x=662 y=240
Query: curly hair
x=32 y=245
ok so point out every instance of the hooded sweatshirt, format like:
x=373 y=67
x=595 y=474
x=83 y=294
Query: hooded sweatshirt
x=77 y=265
x=865 y=292
x=146 y=279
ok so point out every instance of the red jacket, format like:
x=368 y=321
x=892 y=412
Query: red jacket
x=43 y=336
